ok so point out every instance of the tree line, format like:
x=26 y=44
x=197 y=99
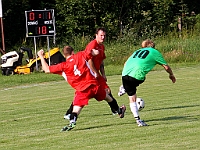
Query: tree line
x=120 y=17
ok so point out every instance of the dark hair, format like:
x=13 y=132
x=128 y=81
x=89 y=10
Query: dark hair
x=100 y=28
x=67 y=50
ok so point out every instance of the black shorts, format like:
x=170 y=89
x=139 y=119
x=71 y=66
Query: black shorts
x=130 y=84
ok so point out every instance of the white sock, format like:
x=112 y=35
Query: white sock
x=134 y=110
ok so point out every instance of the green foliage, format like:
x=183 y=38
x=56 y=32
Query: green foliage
x=75 y=18
x=179 y=50
x=14 y=22
x=139 y=19
x=184 y=49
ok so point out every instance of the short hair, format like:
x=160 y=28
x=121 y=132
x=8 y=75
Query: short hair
x=148 y=43
x=100 y=28
x=67 y=50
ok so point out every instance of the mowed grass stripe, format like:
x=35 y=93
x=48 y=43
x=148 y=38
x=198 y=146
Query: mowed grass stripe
x=32 y=117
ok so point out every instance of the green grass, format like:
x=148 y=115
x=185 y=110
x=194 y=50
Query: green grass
x=35 y=77
x=32 y=115
x=173 y=48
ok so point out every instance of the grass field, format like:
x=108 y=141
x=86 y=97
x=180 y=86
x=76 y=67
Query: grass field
x=32 y=116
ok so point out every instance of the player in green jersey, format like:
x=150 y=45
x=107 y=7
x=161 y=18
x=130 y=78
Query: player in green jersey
x=135 y=69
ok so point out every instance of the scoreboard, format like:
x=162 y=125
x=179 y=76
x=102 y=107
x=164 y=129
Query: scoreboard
x=40 y=23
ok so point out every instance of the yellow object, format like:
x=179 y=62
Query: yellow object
x=51 y=52
x=28 y=68
x=22 y=70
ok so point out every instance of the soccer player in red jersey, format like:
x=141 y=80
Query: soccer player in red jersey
x=82 y=79
x=97 y=65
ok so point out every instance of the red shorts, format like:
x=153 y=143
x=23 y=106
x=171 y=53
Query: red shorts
x=82 y=97
x=102 y=82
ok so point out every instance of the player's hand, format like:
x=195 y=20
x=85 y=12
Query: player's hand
x=172 y=77
x=95 y=52
x=40 y=53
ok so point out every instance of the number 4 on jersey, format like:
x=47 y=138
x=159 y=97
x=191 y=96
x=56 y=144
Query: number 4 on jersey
x=76 y=71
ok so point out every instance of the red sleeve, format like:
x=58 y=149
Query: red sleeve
x=89 y=47
x=87 y=54
x=56 y=69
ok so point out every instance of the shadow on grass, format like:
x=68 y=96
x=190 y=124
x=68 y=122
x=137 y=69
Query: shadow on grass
x=183 y=118
x=102 y=126
x=151 y=122
x=186 y=118
x=175 y=107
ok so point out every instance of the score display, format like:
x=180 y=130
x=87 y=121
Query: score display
x=40 y=23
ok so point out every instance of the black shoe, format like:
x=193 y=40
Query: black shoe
x=69 y=127
x=123 y=109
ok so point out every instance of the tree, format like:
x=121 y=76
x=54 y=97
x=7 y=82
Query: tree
x=138 y=18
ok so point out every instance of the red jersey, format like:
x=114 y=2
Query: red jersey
x=78 y=73
x=97 y=60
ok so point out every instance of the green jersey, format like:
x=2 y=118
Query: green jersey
x=141 y=62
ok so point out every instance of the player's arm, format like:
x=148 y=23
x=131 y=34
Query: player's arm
x=102 y=71
x=92 y=67
x=45 y=66
x=93 y=52
x=169 y=70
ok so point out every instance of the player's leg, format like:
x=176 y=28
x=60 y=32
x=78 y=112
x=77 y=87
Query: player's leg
x=114 y=100
x=73 y=118
x=80 y=100
x=68 y=112
x=102 y=94
x=108 y=91
x=130 y=85
x=134 y=110
x=114 y=106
